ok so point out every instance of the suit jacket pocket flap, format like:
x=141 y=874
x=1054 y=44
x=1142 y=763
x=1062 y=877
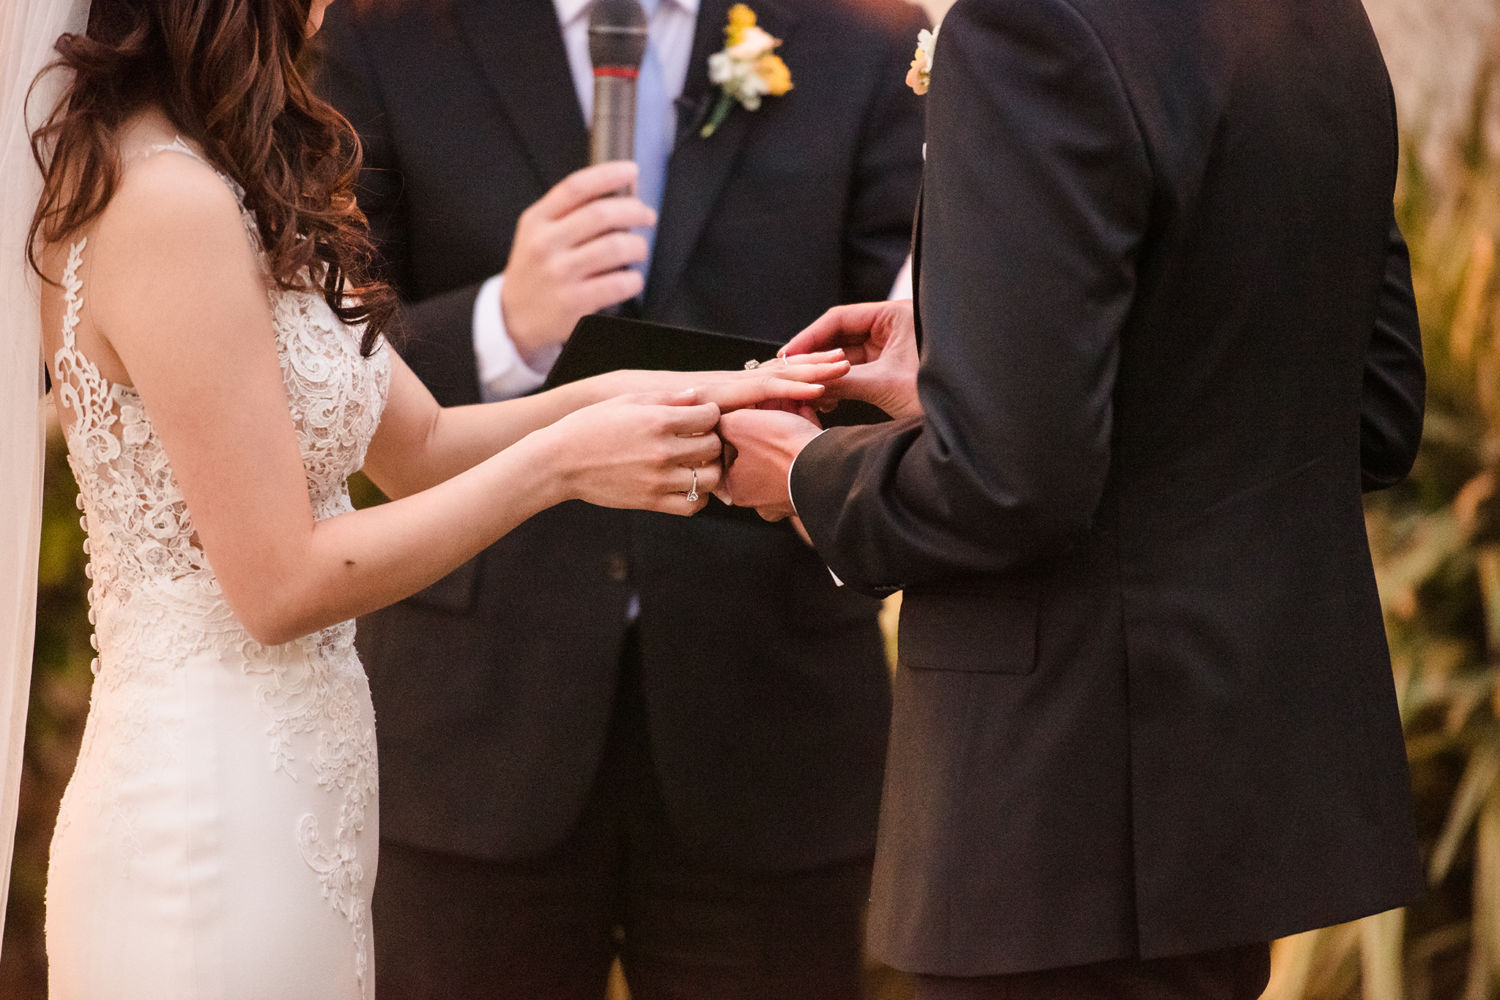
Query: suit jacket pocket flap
x=971 y=631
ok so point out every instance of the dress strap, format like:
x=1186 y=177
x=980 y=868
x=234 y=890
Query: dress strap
x=72 y=293
x=178 y=145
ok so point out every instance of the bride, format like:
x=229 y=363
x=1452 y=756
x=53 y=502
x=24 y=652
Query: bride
x=216 y=344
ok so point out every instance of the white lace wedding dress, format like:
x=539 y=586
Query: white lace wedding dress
x=218 y=838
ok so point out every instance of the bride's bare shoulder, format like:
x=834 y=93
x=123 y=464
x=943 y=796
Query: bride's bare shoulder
x=163 y=187
x=171 y=235
x=167 y=191
x=159 y=180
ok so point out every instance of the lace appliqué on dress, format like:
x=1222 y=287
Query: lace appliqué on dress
x=154 y=600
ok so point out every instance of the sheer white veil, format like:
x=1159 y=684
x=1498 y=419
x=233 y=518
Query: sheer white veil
x=28 y=31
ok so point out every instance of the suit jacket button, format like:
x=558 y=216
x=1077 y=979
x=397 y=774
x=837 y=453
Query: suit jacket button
x=617 y=568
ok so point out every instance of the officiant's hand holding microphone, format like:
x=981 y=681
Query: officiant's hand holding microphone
x=572 y=256
x=575 y=253
x=576 y=249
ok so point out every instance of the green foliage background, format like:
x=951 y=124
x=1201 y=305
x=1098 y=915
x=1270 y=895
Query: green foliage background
x=1436 y=541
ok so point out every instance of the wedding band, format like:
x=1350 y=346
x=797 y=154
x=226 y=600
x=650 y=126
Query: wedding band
x=692 y=493
x=751 y=365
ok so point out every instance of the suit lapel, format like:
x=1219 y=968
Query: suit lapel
x=700 y=167
x=525 y=61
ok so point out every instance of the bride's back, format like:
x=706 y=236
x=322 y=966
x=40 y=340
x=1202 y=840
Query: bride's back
x=224 y=795
x=218 y=837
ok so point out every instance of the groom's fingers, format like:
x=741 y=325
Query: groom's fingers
x=841 y=326
x=829 y=357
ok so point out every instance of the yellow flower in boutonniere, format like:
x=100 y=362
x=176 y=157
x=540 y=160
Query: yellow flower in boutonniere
x=919 y=77
x=747 y=69
x=740 y=18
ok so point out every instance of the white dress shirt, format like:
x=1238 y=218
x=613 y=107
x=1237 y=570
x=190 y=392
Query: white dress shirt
x=503 y=372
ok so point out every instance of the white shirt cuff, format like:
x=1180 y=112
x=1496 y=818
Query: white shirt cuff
x=902 y=287
x=503 y=373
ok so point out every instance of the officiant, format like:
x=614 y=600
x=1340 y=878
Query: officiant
x=612 y=734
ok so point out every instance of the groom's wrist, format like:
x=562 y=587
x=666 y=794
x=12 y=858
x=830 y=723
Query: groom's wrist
x=792 y=467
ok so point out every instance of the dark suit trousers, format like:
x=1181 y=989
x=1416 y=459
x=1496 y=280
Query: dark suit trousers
x=1230 y=974
x=457 y=928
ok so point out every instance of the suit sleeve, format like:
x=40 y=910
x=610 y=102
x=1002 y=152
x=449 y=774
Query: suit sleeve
x=887 y=170
x=1037 y=193
x=1395 y=383
x=438 y=331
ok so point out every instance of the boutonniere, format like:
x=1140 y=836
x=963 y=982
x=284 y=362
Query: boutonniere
x=746 y=70
x=919 y=77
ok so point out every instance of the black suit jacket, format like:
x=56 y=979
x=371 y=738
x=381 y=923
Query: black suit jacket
x=1144 y=704
x=766 y=688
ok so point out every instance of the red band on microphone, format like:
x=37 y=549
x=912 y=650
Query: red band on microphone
x=622 y=72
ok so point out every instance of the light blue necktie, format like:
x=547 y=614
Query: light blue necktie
x=653 y=126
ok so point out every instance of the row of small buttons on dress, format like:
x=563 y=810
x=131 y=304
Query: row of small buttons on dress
x=88 y=573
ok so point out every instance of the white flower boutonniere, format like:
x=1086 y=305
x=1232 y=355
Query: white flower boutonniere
x=746 y=70
x=919 y=77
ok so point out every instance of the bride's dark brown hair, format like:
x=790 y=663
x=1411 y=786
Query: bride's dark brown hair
x=225 y=72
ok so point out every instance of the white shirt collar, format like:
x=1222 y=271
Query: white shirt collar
x=570 y=10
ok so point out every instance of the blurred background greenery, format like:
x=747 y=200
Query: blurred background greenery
x=1436 y=541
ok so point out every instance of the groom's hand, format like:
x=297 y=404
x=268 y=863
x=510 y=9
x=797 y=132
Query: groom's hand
x=880 y=340
x=572 y=254
x=763 y=444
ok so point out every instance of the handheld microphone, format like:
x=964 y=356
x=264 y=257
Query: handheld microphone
x=617 y=43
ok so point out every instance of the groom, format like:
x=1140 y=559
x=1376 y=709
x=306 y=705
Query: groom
x=1144 y=719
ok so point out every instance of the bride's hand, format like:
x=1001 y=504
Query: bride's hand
x=880 y=340
x=793 y=381
x=650 y=451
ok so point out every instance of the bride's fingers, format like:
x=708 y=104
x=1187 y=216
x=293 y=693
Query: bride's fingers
x=821 y=367
x=702 y=449
x=688 y=490
x=688 y=420
x=741 y=393
x=679 y=504
x=708 y=477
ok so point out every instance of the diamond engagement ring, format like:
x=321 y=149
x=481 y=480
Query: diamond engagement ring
x=692 y=493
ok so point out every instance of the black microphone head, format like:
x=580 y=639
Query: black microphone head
x=617 y=34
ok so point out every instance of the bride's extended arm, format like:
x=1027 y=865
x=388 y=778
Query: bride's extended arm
x=420 y=443
x=175 y=290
